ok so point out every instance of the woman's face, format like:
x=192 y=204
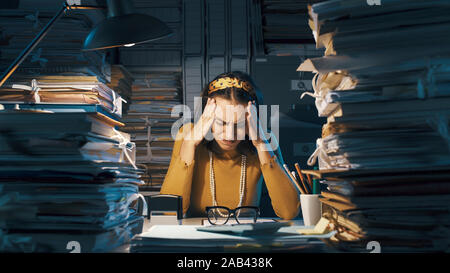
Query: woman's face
x=229 y=127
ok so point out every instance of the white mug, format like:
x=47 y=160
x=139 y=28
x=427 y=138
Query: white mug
x=311 y=208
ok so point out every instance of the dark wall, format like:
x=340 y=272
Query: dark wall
x=300 y=125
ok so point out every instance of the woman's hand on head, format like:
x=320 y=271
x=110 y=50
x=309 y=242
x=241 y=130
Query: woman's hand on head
x=201 y=128
x=253 y=125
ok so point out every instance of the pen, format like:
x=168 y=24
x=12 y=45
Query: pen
x=295 y=180
x=294 y=175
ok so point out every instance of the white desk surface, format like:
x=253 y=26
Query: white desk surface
x=199 y=221
x=187 y=221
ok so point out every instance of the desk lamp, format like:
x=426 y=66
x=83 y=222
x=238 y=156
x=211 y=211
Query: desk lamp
x=122 y=27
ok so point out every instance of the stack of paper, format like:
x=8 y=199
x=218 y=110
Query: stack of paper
x=66 y=177
x=384 y=86
x=187 y=238
x=285 y=28
x=121 y=82
x=380 y=79
x=72 y=92
x=149 y=122
x=402 y=209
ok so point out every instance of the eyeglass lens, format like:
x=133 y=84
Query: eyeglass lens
x=218 y=216
x=246 y=215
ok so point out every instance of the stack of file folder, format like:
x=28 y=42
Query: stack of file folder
x=121 y=82
x=403 y=209
x=285 y=28
x=67 y=174
x=384 y=86
x=61 y=90
x=149 y=122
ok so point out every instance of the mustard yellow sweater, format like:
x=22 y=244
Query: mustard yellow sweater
x=192 y=181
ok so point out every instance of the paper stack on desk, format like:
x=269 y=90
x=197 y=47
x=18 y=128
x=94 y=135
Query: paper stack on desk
x=66 y=177
x=384 y=86
x=187 y=238
x=405 y=210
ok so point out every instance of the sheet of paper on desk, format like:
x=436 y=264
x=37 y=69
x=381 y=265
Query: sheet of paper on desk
x=188 y=234
x=186 y=238
x=250 y=229
x=320 y=228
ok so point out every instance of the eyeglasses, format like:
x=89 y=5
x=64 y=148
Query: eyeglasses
x=218 y=215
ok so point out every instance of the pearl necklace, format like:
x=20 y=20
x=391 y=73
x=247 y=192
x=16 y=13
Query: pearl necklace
x=212 y=183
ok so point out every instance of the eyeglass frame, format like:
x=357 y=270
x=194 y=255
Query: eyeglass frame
x=231 y=212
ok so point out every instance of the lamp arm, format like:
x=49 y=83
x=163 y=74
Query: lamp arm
x=38 y=39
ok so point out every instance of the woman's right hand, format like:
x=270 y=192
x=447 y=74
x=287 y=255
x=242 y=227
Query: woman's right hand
x=201 y=128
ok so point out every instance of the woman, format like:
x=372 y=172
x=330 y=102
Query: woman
x=228 y=170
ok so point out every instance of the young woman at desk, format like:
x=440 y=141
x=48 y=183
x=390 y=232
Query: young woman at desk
x=226 y=171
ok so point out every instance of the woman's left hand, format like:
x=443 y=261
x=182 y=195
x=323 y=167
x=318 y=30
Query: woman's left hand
x=253 y=125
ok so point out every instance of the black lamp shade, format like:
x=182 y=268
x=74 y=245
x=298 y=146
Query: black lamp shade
x=125 y=29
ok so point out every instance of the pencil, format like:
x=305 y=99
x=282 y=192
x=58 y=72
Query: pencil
x=303 y=185
x=300 y=174
x=295 y=180
x=304 y=181
x=309 y=180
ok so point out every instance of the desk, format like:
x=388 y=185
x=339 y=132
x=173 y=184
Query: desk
x=147 y=225
x=199 y=221
x=288 y=240
x=186 y=221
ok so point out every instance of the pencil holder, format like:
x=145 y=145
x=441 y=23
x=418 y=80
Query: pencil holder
x=311 y=208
